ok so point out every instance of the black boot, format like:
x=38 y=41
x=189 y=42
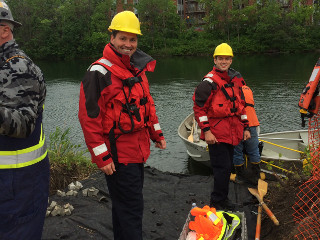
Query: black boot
x=240 y=174
x=225 y=205
x=255 y=171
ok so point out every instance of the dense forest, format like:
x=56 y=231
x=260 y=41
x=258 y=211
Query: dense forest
x=69 y=29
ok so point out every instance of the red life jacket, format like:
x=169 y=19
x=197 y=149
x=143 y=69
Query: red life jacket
x=227 y=101
x=226 y=112
x=130 y=110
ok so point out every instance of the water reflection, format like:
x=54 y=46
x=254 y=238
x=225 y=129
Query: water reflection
x=276 y=80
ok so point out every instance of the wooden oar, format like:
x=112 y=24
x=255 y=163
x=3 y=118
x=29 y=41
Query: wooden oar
x=190 y=138
x=263 y=190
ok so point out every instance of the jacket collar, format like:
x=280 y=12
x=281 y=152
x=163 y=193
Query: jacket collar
x=8 y=47
x=139 y=60
x=222 y=74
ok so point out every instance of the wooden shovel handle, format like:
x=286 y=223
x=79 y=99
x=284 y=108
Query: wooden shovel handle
x=270 y=214
x=258 y=227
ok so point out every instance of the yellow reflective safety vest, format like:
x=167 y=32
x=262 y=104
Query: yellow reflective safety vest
x=23 y=152
x=231 y=223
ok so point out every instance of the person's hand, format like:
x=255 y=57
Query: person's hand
x=246 y=135
x=209 y=137
x=109 y=169
x=162 y=144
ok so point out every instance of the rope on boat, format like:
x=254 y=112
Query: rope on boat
x=272 y=165
x=280 y=146
x=304 y=161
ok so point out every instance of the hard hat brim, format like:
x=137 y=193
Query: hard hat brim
x=125 y=30
x=15 y=23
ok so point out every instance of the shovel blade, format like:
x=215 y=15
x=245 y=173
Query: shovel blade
x=255 y=193
x=262 y=188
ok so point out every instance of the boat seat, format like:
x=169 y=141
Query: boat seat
x=202 y=143
x=272 y=155
x=304 y=136
x=302 y=146
x=188 y=126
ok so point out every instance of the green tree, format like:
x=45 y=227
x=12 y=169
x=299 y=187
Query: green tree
x=268 y=30
x=159 y=22
x=62 y=28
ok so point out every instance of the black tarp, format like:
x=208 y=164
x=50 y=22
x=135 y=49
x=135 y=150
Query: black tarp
x=168 y=198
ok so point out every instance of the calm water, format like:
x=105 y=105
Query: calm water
x=276 y=80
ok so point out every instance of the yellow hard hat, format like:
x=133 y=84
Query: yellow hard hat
x=223 y=50
x=125 y=21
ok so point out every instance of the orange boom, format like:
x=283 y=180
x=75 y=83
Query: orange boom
x=309 y=102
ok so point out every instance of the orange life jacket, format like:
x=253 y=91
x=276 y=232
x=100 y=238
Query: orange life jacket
x=309 y=102
x=130 y=109
x=251 y=112
x=207 y=222
x=212 y=225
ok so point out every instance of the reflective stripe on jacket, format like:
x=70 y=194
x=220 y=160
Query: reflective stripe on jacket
x=22 y=152
x=251 y=112
x=23 y=91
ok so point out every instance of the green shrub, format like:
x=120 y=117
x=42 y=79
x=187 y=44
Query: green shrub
x=68 y=162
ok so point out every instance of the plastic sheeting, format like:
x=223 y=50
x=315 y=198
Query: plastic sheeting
x=168 y=198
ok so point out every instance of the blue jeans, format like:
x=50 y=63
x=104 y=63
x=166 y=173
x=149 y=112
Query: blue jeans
x=251 y=147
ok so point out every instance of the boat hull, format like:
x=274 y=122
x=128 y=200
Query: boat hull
x=285 y=149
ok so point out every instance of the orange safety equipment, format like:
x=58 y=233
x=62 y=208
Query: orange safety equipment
x=250 y=111
x=208 y=222
x=202 y=237
x=202 y=225
x=125 y=21
x=206 y=211
x=309 y=102
x=212 y=225
x=223 y=50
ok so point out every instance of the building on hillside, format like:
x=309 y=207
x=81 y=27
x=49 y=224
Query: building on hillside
x=126 y=5
x=193 y=11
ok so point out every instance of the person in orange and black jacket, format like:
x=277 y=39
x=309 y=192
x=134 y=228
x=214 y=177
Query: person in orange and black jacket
x=118 y=118
x=219 y=109
x=249 y=147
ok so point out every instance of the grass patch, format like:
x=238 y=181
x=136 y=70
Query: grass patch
x=68 y=163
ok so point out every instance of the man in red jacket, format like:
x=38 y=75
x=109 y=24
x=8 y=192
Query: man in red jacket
x=118 y=118
x=219 y=109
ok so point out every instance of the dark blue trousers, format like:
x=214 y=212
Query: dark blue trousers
x=221 y=157
x=23 y=201
x=125 y=188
